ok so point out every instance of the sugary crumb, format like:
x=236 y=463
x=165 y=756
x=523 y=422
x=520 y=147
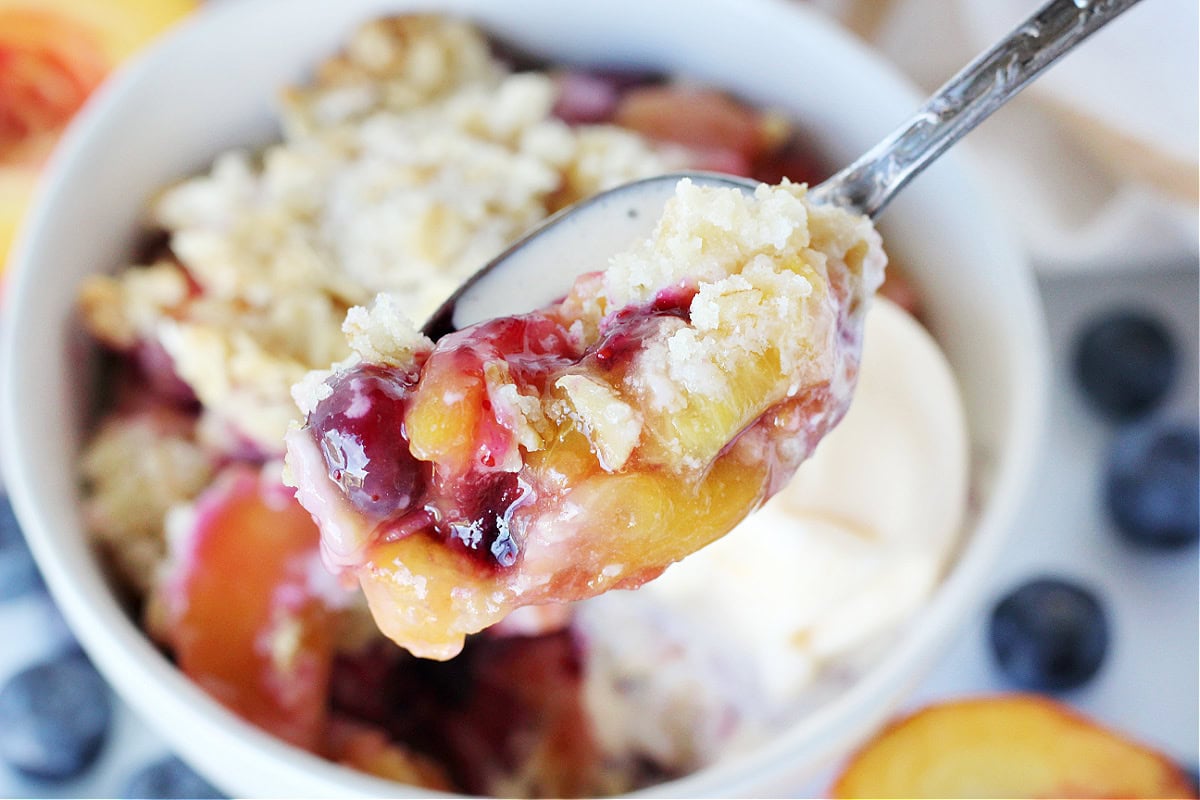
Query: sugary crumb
x=137 y=468
x=382 y=334
x=776 y=282
x=412 y=158
x=610 y=424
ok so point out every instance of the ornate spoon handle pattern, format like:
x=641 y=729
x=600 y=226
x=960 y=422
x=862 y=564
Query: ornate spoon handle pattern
x=968 y=98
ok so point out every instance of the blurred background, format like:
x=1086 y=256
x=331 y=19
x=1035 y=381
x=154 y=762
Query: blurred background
x=1095 y=167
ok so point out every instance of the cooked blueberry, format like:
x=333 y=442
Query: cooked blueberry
x=166 y=779
x=1049 y=635
x=359 y=428
x=1153 y=486
x=1125 y=362
x=54 y=718
x=484 y=529
x=18 y=573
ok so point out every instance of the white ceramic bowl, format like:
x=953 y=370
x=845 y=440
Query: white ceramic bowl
x=209 y=86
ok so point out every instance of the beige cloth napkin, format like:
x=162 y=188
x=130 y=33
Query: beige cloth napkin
x=1095 y=164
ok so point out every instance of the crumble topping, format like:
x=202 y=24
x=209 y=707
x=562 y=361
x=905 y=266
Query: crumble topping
x=413 y=158
x=769 y=273
x=391 y=64
x=382 y=334
x=138 y=467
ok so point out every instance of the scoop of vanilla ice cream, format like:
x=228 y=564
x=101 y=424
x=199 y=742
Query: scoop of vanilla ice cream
x=729 y=642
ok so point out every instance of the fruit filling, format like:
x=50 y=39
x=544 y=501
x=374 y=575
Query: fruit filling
x=556 y=455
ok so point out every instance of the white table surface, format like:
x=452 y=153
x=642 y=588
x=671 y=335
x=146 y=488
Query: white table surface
x=1148 y=685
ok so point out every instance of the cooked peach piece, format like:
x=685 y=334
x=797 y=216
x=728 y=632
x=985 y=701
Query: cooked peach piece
x=53 y=54
x=49 y=64
x=239 y=611
x=555 y=455
x=118 y=28
x=1008 y=746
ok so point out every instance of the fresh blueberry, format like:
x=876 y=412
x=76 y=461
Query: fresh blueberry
x=1125 y=362
x=1049 y=635
x=54 y=718
x=1153 y=486
x=168 y=778
x=18 y=573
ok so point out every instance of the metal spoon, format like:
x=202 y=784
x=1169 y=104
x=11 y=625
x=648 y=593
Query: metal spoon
x=541 y=267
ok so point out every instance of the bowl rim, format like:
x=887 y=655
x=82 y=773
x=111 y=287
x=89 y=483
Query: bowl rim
x=152 y=685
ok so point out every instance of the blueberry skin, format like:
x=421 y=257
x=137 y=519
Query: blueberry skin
x=54 y=718
x=18 y=572
x=169 y=778
x=1049 y=635
x=1152 y=489
x=1125 y=363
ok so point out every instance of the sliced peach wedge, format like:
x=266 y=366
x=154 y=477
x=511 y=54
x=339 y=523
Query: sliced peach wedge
x=1007 y=746
x=240 y=610
x=556 y=455
x=53 y=54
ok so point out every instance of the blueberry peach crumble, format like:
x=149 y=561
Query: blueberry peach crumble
x=556 y=455
x=490 y=500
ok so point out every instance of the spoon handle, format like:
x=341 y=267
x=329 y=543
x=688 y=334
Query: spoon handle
x=966 y=100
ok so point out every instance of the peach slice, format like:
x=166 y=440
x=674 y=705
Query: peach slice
x=1006 y=746
x=119 y=27
x=53 y=54
x=726 y=135
x=240 y=611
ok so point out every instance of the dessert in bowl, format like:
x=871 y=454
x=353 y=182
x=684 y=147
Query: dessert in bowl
x=976 y=296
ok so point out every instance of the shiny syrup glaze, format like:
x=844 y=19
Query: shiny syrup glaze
x=360 y=429
x=355 y=427
x=467 y=507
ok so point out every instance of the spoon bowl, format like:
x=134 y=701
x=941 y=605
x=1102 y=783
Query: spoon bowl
x=539 y=269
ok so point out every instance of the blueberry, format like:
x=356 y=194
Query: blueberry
x=18 y=573
x=1049 y=635
x=359 y=428
x=1125 y=363
x=168 y=778
x=54 y=718
x=1153 y=486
